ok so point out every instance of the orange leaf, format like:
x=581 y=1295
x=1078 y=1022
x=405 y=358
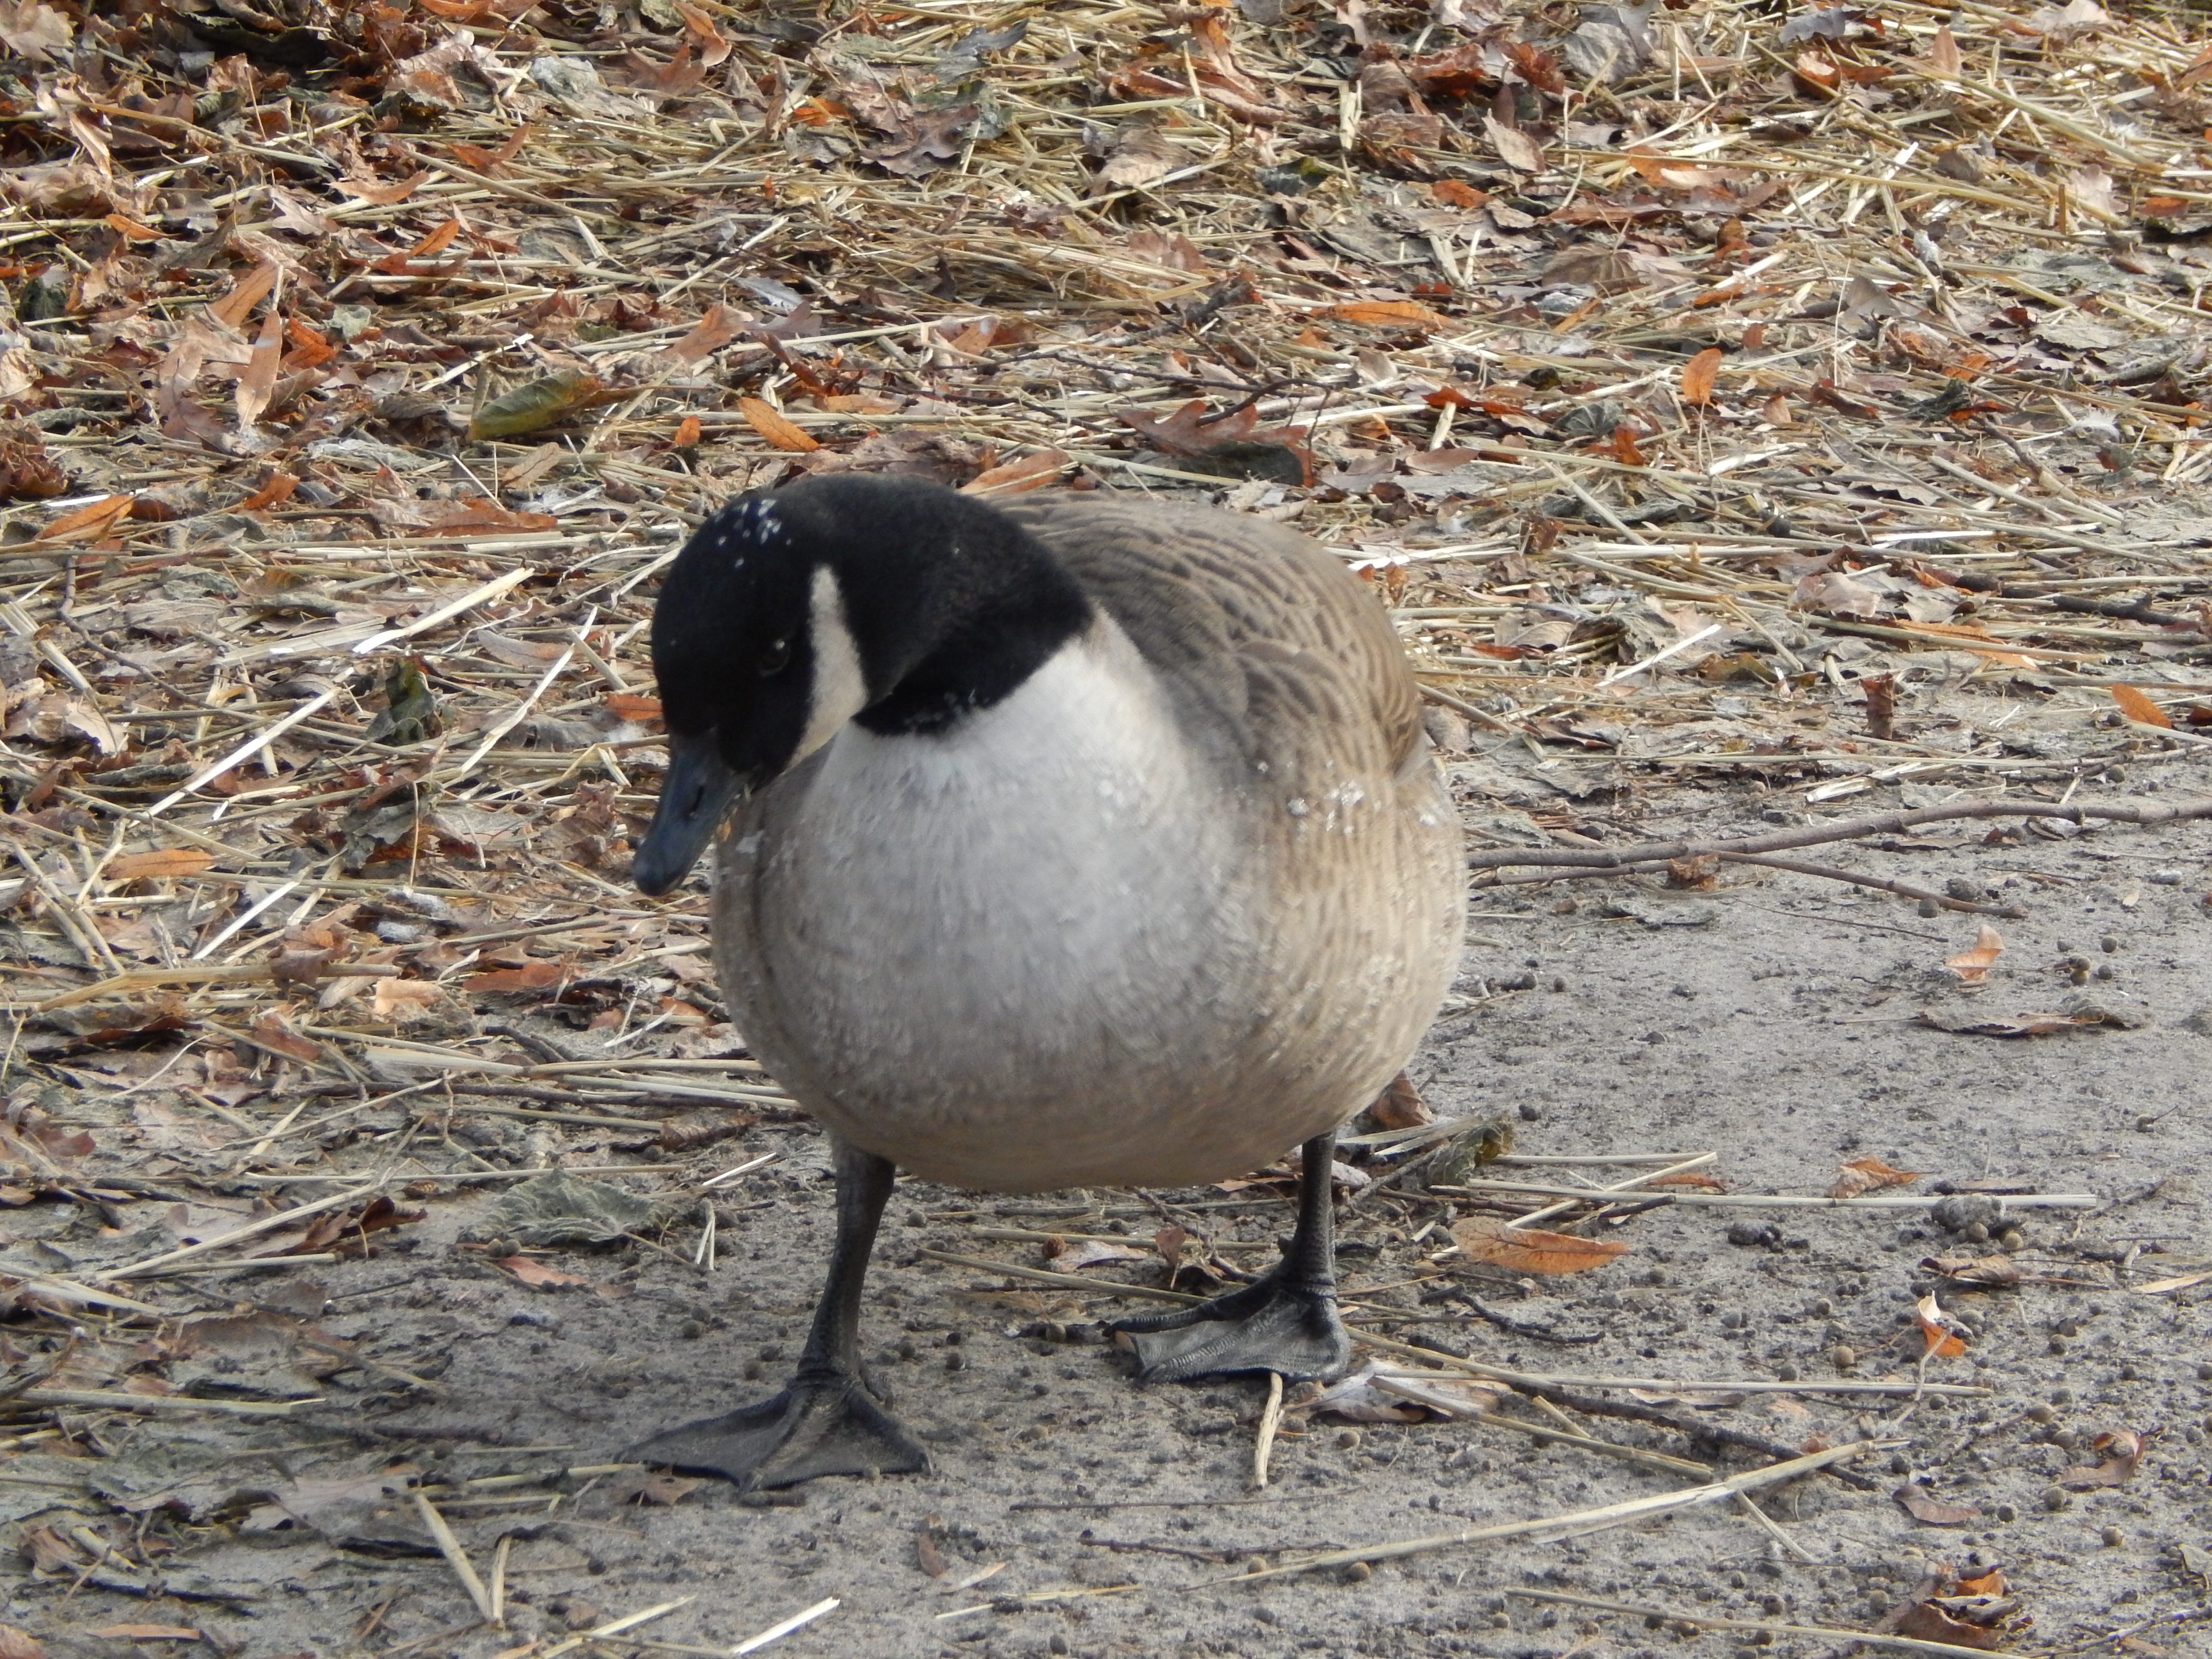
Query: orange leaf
x=1531 y=1250
x=712 y=332
x=1697 y=377
x=1869 y=1175
x=687 y=433
x=86 y=523
x=533 y=976
x=1012 y=477
x=1973 y=966
x=278 y=488
x=2140 y=709
x=779 y=433
x=131 y=230
x=1992 y=1583
x=539 y=1276
x=386 y=195
x=1452 y=193
x=1382 y=313
x=1941 y=1344
x=249 y=290
x=164 y=861
x=437 y=241
x=258 y=383
x=628 y=706
x=269 y=1031
x=310 y=348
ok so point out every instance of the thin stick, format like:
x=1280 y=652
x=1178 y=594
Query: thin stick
x=1270 y=1419
x=1570 y=1524
x=1871 y=1638
x=499 y=1579
x=1695 y=1161
x=1067 y=1281
x=515 y=717
x=244 y=752
x=776 y=1632
x=1674 y=1385
x=429 y=619
x=456 y=1557
x=1884 y=823
x=1767 y=1524
x=1787 y=1201
x=156 y=1404
x=252 y=1228
x=616 y=1627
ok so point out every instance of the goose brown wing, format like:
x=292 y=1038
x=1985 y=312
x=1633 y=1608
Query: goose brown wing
x=1266 y=638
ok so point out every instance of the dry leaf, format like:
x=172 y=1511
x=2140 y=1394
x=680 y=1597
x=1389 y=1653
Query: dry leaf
x=540 y=404
x=2123 y=1449
x=1385 y=313
x=1986 y=1270
x=1928 y=1623
x=510 y=982
x=2140 y=709
x=1990 y=1583
x=1697 y=376
x=779 y=433
x=1926 y=1510
x=1515 y=147
x=1944 y=55
x=1973 y=966
x=162 y=861
x=1532 y=1250
x=1869 y=1175
x=40 y=33
x=1934 y=1331
x=926 y=1555
x=1399 y=1106
x=1012 y=477
x=539 y=1276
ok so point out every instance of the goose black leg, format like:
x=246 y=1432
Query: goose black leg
x=1285 y=1321
x=826 y=1421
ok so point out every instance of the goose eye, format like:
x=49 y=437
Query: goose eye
x=775 y=658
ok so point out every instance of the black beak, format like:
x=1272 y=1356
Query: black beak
x=696 y=795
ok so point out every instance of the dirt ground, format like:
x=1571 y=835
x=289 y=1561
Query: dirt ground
x=1771 y=1019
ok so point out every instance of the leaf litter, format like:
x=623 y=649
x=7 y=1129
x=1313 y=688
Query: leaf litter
x=1684 y=389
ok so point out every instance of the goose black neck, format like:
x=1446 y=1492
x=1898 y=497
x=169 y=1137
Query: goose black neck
x=952 y=605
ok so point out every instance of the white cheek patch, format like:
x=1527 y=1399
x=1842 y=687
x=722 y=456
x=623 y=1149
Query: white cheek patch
x=839 y=690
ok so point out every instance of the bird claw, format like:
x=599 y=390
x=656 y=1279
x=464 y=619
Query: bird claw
x=831 y=1425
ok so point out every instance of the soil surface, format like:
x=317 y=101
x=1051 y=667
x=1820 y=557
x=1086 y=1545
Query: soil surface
x=1772 y=1019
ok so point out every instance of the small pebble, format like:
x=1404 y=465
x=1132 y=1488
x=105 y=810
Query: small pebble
x=1358 y=1573
x=2113 y=1538
x=2006 y=1513
x=2166 y=877
x=1058 y=1644
x=1959 y=887
x=1976 y=1233
x=2041 y=1413
x=1786 y=1373
x=1823 y=1309
x=2204 y=1371
x=956 y=1361
x=1928 y=907
x=1531 y=1112
x=1842 y=1357
x=2056 y=1499
x=2012 y=1239
x=2109 y=944
x=1348 y=1440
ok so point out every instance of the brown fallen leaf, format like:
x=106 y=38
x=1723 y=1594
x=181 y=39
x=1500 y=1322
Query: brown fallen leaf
x=2140 y=709
x=1385 y=313
x=779 y=433
x=539 y=1276
x=1973 y=966
x=1015 y=476
x=1992 y=1583
x=1869 y=1175
x=1697 y=377
x=510 y=982
x=926 y=1555
x=1935 y=1331
x=162 y=861
x=1532 y=1250
x=1930 y=1512
x=1399 y=1106
x=2123 y=1449
x=1928 y=1623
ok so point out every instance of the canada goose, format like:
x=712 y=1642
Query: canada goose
x=1078 y=841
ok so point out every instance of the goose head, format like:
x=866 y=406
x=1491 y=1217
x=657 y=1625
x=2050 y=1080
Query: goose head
x=900 y=605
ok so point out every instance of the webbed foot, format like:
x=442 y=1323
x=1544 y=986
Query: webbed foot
x=831 y=1425
x=1269 y=1326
